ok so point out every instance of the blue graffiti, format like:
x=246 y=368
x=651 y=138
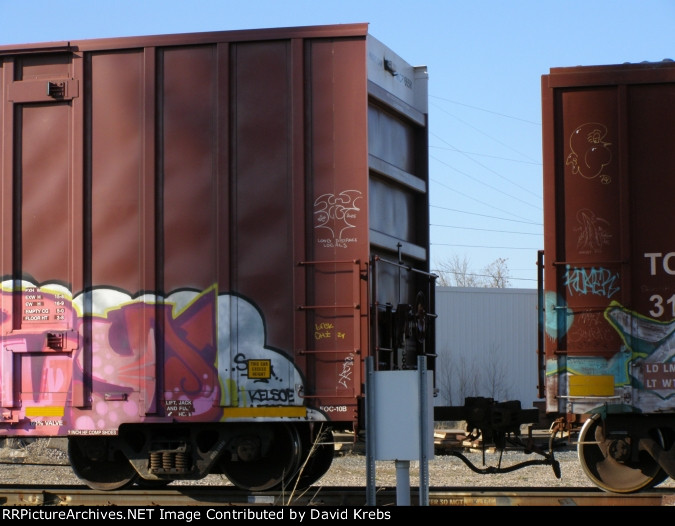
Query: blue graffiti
x=555 y=307
x=598 y=281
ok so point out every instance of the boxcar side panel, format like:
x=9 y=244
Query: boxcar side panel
x=608 y=278
x=338 y=192
x=189 y=230
x=188 y=226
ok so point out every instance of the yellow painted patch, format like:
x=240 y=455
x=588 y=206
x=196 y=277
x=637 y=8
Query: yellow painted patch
x=581 y=385
x=50 y=410
x=273 y=412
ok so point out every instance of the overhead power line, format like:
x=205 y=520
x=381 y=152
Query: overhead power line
x=481 y=246
x=477 y=154
x=488 y=230
x=485 y=110
x=476 y=200
x=502 y=143
x=485 y=215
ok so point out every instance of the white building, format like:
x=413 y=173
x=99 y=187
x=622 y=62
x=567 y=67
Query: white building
x=486 y=341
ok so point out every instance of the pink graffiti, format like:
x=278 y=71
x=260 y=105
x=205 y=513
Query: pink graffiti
x=133 y=358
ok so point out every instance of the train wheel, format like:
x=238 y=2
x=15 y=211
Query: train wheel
x=258 y=470
x=607 y=461
x=90 y=461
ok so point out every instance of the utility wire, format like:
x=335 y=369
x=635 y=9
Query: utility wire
x=486 y=111
x=485 y=215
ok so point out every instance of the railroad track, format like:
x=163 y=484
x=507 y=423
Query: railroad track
x=218 y=496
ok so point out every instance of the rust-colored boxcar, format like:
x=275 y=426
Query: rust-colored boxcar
x=609 y=266
x=204 y=236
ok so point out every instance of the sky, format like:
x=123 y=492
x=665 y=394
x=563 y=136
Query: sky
x=484 y=58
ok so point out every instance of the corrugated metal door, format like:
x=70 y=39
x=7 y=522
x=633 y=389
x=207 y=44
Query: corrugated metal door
x=590 y=206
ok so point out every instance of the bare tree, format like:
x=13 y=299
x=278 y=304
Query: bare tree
x=497 y=274
x=495 y=376
x=457 y=377
x=444 y=373
x=456 y=272
x=467 y=375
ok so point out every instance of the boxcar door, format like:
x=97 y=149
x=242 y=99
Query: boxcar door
x=41 y=241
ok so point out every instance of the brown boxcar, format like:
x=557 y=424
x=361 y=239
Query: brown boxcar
x=609 y=267
x=204 y=237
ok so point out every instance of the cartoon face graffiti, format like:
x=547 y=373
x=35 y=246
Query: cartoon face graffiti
x=589 y=152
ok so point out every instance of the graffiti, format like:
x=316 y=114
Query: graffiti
x=285 y=396
x=553 y=308
x=651 y=343
x=589 y=152
x=208 y=341
x=596 y=281
x=241 y=342
x=644 y=337
x=336 y=213
x=593 y=232
x=346 y=373
x=590 y=328
x=324 y=331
